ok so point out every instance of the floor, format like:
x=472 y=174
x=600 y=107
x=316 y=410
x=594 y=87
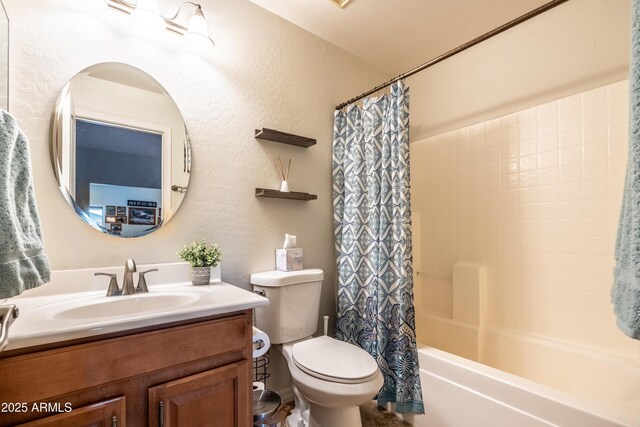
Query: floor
x=376 y=416
x=372 y=416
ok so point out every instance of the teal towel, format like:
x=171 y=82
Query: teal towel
x=23 y=263
x=625 y=293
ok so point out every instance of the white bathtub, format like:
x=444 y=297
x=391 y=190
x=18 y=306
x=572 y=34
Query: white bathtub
x=531 y=383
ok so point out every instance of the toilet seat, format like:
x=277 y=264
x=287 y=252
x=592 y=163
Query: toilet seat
x=332 y=360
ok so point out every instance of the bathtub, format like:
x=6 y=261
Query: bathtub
x=531 y=382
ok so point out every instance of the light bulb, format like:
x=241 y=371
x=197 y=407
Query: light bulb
x=198 y=26
x=147 y=15
x=148 y=5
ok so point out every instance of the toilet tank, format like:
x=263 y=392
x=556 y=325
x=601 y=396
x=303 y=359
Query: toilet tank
x=294 y=301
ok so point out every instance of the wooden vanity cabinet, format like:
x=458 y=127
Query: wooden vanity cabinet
x=109 y=413
x=195 y=373
x=205 y=399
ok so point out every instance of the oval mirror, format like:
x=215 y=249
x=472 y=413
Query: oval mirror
x=120 y=150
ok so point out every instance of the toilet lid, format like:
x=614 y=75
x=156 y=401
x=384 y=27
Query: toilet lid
x=337 y=361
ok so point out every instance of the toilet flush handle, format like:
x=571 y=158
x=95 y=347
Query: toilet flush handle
x=260 y=292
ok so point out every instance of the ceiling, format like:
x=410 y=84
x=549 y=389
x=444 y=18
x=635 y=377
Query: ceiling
x=395 y=36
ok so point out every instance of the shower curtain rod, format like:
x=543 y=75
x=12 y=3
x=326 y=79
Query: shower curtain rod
x=519 y=20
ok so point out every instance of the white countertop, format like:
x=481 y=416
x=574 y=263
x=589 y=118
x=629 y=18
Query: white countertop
x=47 y=317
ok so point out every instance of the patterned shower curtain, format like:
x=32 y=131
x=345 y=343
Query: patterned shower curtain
x=372 y=225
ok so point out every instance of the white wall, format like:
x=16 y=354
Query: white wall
x=574 y=47
x=262 y=72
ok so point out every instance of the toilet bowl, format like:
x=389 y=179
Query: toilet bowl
x=331 y=378
x=334 y=377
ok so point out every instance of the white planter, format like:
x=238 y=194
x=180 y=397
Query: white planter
x=200 y=275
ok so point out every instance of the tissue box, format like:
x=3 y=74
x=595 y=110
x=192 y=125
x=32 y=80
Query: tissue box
x=289 y=259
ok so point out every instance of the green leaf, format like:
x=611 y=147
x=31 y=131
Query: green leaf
x=198 y=254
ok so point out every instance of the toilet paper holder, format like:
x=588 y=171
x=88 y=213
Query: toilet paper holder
x=261 y=344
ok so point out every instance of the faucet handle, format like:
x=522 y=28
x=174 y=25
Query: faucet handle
x=113 y=289
x=142 y=282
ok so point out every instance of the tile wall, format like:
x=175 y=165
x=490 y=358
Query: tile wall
x=534 y=195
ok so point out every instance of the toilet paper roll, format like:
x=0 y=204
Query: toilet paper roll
x=261 y=342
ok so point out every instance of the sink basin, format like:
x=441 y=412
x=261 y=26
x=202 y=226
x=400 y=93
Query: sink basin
x=130 y=304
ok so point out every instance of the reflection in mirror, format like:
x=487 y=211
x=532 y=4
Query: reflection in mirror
x=4 y=57
x=120 y=150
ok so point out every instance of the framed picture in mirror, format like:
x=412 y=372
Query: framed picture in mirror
x=142 y=216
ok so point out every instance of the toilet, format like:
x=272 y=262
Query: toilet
x=331 y=378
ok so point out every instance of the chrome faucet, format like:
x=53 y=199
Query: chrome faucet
x=127 y=283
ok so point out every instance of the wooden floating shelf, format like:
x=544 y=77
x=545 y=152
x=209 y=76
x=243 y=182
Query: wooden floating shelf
x=291 y=195
x=285 y=138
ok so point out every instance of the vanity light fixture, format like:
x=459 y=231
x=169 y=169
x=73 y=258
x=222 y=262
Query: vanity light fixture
x=147 y=13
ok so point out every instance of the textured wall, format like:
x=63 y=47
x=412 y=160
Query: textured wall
x=535 y=196
x=262 y=71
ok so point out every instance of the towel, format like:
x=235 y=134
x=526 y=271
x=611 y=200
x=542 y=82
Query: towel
x=23 y=263
x=625 y=293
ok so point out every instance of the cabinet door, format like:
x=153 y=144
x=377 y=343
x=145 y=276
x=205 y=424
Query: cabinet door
x=215 y=398
x=108 y=413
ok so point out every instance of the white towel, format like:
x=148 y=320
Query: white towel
x=23 y=263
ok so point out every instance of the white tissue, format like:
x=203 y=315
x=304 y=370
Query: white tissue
x=289 y=241
x=261 y=342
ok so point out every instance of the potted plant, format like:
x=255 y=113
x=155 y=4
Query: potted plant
x=201 y=258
